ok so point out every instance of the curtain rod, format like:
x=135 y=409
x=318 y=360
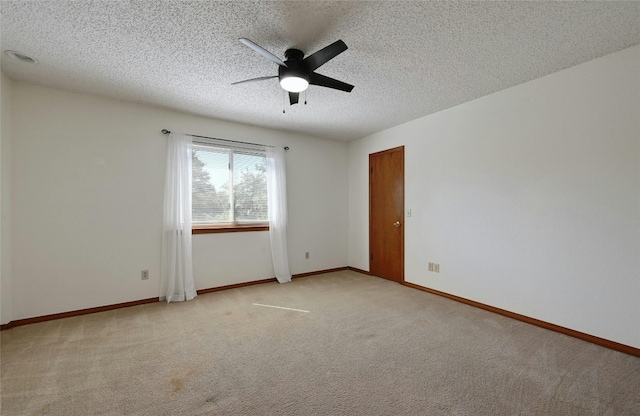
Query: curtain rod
x=165 y=131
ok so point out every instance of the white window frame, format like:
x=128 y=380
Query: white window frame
x=201 y=227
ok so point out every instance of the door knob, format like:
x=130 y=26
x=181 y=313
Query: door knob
x=396 y=224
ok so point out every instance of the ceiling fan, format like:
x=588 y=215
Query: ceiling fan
x=297 y=72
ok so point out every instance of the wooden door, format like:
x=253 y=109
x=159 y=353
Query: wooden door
x=386 y=214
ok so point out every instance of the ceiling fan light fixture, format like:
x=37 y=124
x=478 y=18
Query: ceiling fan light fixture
x=294 y=83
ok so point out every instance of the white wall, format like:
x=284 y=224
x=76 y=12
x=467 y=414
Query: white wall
x=528 y=198
x=5 y=200
x=87 y=183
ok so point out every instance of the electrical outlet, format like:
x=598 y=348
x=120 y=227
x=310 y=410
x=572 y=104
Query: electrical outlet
x=436 y=267
x=144 y=275
x=430 y=267
x=306 y=255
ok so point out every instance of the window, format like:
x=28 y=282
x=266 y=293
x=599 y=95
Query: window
x=229 y=189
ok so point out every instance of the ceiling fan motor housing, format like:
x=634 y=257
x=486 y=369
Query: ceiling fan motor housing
x=294 y=54
x=295 y=66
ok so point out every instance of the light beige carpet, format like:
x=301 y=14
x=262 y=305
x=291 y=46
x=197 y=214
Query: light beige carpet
x=366 y=346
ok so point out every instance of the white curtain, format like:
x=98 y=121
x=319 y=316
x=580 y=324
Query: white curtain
x=177 y=268
x=277 y=196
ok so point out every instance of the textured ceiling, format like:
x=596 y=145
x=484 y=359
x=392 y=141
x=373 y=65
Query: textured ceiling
x=406 y=59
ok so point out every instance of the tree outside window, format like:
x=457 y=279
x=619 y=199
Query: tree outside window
x=225 y=178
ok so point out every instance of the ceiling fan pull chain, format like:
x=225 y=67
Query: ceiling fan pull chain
x=283 y=101
x=305 y=97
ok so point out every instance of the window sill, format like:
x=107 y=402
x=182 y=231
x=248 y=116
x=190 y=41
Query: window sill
x=227 y=228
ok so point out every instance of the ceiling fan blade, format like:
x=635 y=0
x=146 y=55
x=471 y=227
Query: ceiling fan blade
x=262 y=51
x=254 y=79
x=293 y=97
x=324 y=81
x=324 y=55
